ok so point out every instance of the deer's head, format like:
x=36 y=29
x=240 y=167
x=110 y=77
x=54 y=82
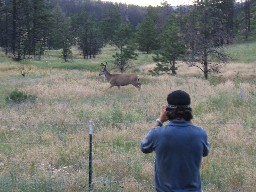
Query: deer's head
x=104 y=69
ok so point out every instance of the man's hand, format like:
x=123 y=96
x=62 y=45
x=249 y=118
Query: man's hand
x=163 y=116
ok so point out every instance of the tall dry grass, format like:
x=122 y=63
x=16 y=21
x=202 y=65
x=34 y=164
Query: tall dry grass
x=44 y=144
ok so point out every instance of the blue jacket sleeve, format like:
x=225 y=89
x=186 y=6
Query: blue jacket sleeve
x=206 y=149
x=147 y=144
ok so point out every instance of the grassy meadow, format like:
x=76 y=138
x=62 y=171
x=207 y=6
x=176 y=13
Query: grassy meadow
x=44 y=138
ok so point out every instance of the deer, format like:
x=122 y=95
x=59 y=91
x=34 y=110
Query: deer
x=120 y=79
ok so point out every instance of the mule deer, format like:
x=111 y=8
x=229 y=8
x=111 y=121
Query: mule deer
x=120 y=79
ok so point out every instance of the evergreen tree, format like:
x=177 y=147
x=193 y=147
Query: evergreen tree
x=18 y=28
x=41 y=24
x=205 y=33
x=6 y=32
x=88 y=34
x=124 y=41
x=3 y=23
x=26 y=27
x=247 y=18
x=60 y=35
x=228 y=9
x=14 y=24
x=172 y=48
x=147 y=35
x=110 y=21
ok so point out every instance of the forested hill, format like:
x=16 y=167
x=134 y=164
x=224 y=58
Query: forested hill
x=28 y=28
x=99 y=9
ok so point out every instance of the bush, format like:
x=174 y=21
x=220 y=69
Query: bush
x=19 y=97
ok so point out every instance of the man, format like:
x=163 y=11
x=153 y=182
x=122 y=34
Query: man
x=179 y=146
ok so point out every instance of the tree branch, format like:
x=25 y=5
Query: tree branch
x=197 y=67
x=219 y=55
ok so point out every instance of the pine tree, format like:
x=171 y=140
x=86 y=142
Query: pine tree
x=110 y=21
x=60 y=35
x=19 y=31
x=41 y=23
x=124 y=42
x=147 y=35
x=88 y=34
x=3 y=11
x=27 y=26
x=172 y=48
x=205 y=31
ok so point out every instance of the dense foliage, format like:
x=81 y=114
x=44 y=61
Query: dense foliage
x=28 y=28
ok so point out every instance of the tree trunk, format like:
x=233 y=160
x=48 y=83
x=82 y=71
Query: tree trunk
x=6 y=32
x=147 y=50
x=205 y=63
x=206 y=70
x=14 y=22
x=173 y=68
x=121 y=66
x=247 y=17
x=64 y=54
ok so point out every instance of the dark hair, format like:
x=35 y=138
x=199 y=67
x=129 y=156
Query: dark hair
x=180 y=112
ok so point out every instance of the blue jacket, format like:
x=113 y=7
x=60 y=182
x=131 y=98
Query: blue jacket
x=179 y=147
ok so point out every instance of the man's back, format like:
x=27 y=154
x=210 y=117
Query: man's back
x=179 y=148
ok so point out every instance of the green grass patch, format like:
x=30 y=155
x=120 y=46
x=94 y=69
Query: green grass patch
x=6 y=149
x=243 y=52
x=224 y=103
x=8 y=183
x=222 y=173
x=3 y=58
x=121 y=146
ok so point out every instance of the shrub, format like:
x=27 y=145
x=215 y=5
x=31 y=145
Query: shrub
x=19 y=97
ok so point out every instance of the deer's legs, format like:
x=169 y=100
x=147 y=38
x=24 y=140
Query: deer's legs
x=109 y=87
x=138 y=85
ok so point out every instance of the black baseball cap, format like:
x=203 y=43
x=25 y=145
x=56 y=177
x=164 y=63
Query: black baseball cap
x=178 y=98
